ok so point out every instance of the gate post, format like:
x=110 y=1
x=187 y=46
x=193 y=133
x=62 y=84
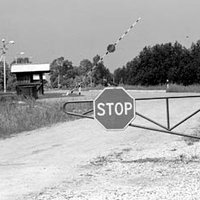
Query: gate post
x=168 y=117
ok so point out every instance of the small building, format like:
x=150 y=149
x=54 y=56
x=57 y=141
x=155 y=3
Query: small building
x=30 y=78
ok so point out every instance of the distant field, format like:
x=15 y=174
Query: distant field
x=181 y=88
x=140 y=87
x=170 y=88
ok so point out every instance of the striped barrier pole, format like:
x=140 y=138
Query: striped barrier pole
x=111 y=47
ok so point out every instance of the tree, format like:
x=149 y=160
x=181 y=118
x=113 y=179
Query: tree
x=156 y=64
x=85 y=66
x=21 y=60
x=195 y=60
x=55 y=71
x=85 y=72
x=63 y=73
x=10 y=78
x=101 y=75
x=1 y=76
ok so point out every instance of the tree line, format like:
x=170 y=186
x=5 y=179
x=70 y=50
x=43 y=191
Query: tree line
x=155 y=65
x=161 y=63
x=88 y=73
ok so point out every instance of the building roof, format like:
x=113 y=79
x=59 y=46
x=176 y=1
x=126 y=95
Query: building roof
x=17 y=68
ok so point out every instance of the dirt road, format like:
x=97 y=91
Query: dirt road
x=80 y=160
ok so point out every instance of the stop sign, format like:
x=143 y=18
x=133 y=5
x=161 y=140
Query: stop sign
x=114 y=108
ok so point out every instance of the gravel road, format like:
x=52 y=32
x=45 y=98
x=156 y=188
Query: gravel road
x=80 y=160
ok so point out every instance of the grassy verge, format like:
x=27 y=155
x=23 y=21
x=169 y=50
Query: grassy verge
x=191 y=141
x=172 y=88
x=140 y=87
x=134 y=87
x=181 y=88
x=15 y=117
x=18 y=117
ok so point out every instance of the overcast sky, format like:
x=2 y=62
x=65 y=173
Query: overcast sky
x=78 y=29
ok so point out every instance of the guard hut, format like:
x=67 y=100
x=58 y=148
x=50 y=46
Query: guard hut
x=30 y=78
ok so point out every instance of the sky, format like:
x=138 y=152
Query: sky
x=81 y=29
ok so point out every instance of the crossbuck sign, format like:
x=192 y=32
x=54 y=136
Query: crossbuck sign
x=114 y=108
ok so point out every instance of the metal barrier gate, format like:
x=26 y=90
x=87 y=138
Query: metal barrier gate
x=160 y=128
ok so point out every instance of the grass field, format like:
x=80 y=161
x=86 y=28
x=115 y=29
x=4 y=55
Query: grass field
x=171 y=88
x=181 y=88
x=19 y=117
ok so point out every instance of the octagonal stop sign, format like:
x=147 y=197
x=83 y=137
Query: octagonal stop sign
x=114 y=108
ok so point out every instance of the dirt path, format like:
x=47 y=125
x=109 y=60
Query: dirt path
x=80 y=160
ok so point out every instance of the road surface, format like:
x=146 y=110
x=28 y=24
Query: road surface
x=80 y=160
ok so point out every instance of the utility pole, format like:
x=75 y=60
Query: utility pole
x=3 y=57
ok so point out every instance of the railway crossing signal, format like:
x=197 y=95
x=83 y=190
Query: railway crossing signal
x=114 y=108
